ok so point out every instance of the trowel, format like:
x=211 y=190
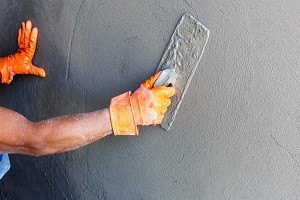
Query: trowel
x=180 y=60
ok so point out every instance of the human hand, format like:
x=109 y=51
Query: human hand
x=21 y=61
x=149 y=104
x=146 y=106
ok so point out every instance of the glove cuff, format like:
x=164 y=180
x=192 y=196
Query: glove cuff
x=121 y=115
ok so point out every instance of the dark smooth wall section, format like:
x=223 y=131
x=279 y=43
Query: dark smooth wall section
x=237 y=133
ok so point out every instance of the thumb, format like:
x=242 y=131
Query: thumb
x=37 y=71
x=150 y=82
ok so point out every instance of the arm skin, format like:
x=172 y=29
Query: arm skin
x=55 y=135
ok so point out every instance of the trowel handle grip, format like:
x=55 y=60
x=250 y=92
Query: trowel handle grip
x=167 y=77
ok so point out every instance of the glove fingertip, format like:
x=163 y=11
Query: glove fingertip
x=42 y=73
x=164 y=91
x=28 y=25
x=38 y=71
x=150 y=82
x=33 y=36
x=35 y=30
x=171 y=91
x=158 y=120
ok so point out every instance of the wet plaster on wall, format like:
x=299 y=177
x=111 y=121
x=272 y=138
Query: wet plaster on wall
x=236 y=135
x=182 y=55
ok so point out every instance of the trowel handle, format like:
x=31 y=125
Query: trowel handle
x=167 y=77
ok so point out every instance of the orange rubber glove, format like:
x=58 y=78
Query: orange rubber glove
x=21 y=62
x=146 y=106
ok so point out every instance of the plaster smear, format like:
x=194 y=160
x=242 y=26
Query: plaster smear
x=183 y=54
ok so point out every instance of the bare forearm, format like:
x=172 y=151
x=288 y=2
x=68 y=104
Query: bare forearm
x=18 y=135
x=71 y=132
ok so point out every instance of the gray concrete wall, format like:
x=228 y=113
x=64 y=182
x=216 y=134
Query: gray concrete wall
x=237 y=133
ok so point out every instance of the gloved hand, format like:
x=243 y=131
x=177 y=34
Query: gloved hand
x=21 y=62
x=146 y=106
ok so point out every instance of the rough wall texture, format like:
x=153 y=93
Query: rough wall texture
x=236 y=135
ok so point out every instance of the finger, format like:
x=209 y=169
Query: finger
x=150 y=82
x=163 y=91
x=165 y=102
x=38 y=71
x=158 y=120
x=19 y=36
x=160 y=116
x=160 y=107
x=161 y=101
x=6 y=77
x=33 y=39
x=4 y=80
x=23 y=33
x=28 y=33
